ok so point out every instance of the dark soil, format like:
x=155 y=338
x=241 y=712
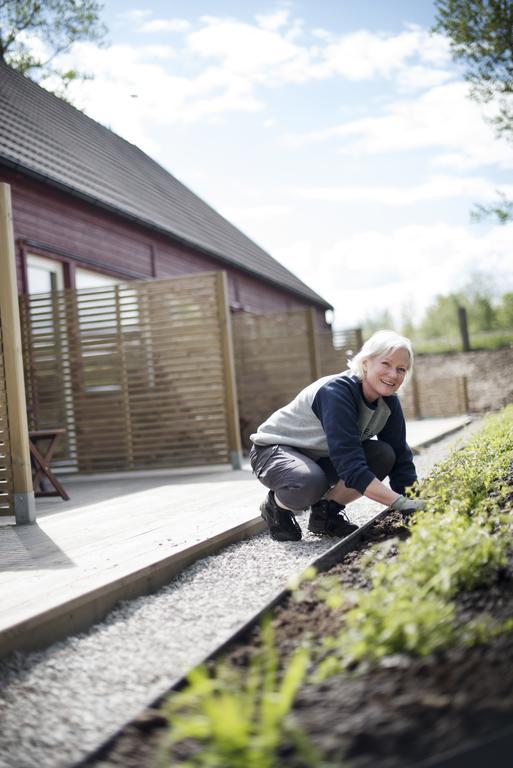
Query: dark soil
x=393 y=715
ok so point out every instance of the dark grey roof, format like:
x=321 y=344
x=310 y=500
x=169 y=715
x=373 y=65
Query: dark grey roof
x=46 y=137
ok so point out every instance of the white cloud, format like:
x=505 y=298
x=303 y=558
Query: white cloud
x=254 y=52
x=234 y=61
x=274 y=21
x=419 y=76
x=249 y=214
x=163 y=98
x=135 y=14
x=443 y=117
x=363 y=55
x=372 y=271
x=165 y=25
x=435 y=188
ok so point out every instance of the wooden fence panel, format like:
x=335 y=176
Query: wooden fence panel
x=6 y=479
x=273 y=362
x=435 y=398
x=135 y=372
x=336 y=347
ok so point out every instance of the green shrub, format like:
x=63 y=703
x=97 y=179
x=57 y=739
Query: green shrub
x=459 y=543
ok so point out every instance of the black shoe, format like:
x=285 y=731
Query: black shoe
x=328 y=518
x=281 y=522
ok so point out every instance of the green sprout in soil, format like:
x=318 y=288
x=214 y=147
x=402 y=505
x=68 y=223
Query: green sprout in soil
x=234 y=720
x=458 y=544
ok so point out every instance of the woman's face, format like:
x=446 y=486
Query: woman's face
x=384 y=374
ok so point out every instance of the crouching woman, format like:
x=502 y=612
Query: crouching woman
x=318 y=452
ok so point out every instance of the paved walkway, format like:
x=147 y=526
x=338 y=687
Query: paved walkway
x=422 y=433
x=120 y=537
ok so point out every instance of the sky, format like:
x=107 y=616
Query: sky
x=337 y=134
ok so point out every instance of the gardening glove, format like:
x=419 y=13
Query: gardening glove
x=407 y=506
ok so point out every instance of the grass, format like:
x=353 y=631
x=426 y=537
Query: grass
x=491 y=340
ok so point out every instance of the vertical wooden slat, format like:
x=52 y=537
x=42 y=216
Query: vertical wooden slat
x=417 y=410
x=230 y=386
x=124 y=383
x=6 y=485
x=464 y=394
x=24 y=505
x=313 y=345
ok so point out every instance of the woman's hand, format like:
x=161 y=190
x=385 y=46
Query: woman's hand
x=406 y=506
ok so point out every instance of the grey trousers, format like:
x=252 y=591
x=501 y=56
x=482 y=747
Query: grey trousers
x=300 y=481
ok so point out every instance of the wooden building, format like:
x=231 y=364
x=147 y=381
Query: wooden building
x=90 y=208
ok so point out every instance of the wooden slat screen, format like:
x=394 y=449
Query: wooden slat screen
x=6 y=484
x=272 y=363
x=134 y=372
x=335 y=349
x=435 y=397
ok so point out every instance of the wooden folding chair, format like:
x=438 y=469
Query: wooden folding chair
x=41 y=458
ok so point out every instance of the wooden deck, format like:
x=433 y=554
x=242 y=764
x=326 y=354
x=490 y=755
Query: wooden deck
x=118 y=538
x=115 y=539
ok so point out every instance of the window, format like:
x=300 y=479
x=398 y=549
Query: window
x=86 y=278
x=44 y=275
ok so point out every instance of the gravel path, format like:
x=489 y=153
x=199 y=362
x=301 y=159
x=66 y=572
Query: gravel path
x=59 y=704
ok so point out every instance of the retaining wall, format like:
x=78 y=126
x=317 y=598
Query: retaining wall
x=489 y=375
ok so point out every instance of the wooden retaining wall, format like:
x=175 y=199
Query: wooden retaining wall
x=139 y=374
x=435 y=397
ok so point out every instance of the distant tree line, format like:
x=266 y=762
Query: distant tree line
x=487 y=311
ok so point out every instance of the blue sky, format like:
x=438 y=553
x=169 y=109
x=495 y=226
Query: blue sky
x=335 y=133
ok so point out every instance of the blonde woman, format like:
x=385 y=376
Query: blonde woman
x=317 y=450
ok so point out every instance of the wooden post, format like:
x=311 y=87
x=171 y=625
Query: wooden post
x=417 y=412
x=464 y=392
x=24 y=504
x=462 y=321
x=230 y=386
x=313 y=348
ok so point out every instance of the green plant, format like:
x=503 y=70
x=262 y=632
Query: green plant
x=459 y=543
x=236 y=722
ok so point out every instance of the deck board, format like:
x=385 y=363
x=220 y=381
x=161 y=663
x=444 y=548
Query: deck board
x=110 y=532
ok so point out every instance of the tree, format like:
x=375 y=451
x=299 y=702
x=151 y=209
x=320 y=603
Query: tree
x=479 y=296
x=55 y=24
x=377 y=321
x=407 y=323
x=441 y=317
x=481 y=37
x=505 y=312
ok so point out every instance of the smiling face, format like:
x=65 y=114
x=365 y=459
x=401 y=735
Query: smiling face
x=384 y=373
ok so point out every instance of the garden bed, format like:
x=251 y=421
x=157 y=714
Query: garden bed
x=420 y=660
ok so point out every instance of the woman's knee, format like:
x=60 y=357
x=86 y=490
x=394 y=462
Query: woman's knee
x=380 y=457
x=297 y=480
x=302 y=488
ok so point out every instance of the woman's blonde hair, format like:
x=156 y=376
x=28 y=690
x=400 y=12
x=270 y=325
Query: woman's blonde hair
x=381 y=343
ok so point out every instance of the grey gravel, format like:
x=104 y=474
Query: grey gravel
x=59 y=704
